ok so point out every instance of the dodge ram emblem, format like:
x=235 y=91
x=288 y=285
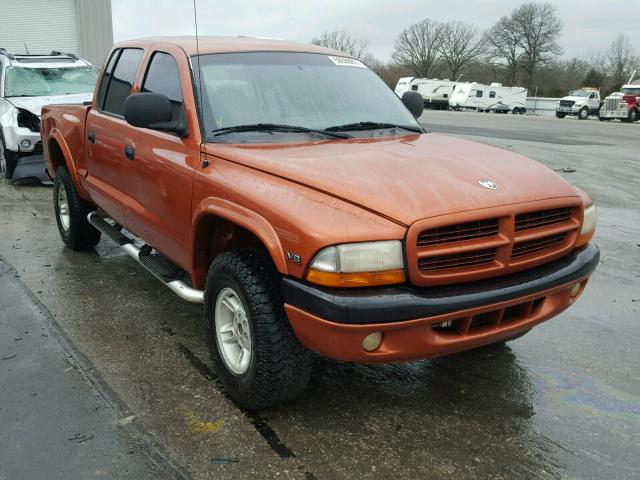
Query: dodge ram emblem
x=488 y=184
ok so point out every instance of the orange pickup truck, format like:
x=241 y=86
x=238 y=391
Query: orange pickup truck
x=287 y=189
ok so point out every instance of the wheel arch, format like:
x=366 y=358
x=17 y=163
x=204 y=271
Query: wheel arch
x=220 y=225
x=57 y=153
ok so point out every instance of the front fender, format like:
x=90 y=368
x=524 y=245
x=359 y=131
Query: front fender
x=241 y=216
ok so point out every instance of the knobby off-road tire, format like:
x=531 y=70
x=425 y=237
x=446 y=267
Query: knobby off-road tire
x=71 y=213
x=279 y=366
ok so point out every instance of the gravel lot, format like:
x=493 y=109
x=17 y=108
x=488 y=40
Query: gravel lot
x=561 y=402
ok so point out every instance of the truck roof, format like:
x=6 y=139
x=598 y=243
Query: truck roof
x=214 y=44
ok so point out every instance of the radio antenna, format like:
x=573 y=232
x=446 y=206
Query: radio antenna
x=198 y=72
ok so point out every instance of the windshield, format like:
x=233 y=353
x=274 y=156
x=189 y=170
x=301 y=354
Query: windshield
x=579 y=93
x=303 y=89
x=631 y=90
x=37 y=82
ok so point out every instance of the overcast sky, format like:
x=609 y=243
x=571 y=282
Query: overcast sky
x=588 y=24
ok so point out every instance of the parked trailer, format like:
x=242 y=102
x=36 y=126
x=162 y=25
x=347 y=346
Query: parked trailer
x=489 y=98
x=435 y=92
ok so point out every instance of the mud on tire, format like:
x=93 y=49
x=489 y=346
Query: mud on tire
x=78 y=233
x=279 y=366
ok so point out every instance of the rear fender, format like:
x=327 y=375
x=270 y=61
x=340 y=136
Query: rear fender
x=52 y=160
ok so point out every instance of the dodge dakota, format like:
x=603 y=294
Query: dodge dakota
x=286 y=188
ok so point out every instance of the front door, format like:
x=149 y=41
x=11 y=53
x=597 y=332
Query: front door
x=158 y=178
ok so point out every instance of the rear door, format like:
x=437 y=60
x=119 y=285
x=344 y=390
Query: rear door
x=107 y=133
x=157 y=182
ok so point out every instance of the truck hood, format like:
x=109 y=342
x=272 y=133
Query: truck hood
x=406 y=178
x=574 y=99
x=35 y=104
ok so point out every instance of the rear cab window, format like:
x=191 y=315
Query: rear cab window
x=120 y=81
x=163 y=77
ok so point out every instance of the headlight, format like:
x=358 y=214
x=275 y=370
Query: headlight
x=588 y=226
x=358 y=265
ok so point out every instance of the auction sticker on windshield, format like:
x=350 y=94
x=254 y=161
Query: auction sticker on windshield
x=347 y=62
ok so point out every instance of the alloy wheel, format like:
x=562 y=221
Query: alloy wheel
x=233 y=332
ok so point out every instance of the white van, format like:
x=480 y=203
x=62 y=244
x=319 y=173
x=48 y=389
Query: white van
x=489 y=98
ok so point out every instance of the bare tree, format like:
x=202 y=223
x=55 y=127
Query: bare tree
x=460 y=44
x=503 y=48
x=621 y=59
x=342 y=41
x=537 y=28
x=418 y=47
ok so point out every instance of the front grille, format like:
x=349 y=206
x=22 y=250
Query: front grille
x=525 y=221
x=493 y=319
x=567 y=103
x=460 y=232
x=537 y=245
x=457 y=260
x=506 y=240
x=612 y=104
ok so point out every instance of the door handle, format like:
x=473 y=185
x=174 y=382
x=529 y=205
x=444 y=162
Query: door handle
x=91 y=136
x=129 y=152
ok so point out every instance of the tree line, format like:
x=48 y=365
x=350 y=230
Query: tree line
x=522 y=48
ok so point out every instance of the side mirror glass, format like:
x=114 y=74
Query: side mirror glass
x=414 y=103
x=153 y=111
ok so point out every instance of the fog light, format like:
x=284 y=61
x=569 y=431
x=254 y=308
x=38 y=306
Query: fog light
x=372 y=341
x=575 y=290
x=25 y=144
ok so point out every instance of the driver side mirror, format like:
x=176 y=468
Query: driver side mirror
x=153 y=111
x=414 y=103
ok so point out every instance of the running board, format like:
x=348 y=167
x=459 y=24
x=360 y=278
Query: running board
x=160 y=267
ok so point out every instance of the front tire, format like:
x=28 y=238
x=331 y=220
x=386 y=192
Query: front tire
x=560 y=115
x=259 y=359
x=71 y=213
x=633 y=116
x=583 y=114
x=8 y=162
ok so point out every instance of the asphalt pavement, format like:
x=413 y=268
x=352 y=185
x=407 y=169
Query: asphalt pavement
x=561 y=402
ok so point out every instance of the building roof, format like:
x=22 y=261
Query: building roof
x=211 y=44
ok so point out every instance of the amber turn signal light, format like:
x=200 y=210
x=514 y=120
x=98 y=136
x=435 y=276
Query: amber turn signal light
x=584 y=239
x=359 y=279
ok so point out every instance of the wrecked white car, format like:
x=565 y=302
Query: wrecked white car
x=27 y=82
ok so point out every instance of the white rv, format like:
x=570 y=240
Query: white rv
x=403 y=85
x=435 y=92
x=489 y=98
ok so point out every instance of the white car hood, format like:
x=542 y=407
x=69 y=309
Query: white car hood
x=575 y=99
x=35 y=104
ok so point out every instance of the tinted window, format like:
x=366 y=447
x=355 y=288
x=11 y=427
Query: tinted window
x=106 y=76
x=492 y=94
x=121 y=81
x=479 y=94
x=163 y=77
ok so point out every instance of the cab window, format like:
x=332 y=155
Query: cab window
x=121 y=81
x=163 y=77
x=106 y=76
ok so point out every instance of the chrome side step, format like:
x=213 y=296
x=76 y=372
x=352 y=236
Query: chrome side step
x=157 y=266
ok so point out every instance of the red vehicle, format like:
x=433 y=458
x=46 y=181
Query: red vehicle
x=289 y=190
x=624 y=105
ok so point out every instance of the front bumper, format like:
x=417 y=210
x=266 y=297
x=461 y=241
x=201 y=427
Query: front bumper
x=568 y=110
x=334 y=322
x=622 y=114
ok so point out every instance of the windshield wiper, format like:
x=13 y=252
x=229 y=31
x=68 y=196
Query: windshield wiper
x=371 y=126
x=274 y=127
